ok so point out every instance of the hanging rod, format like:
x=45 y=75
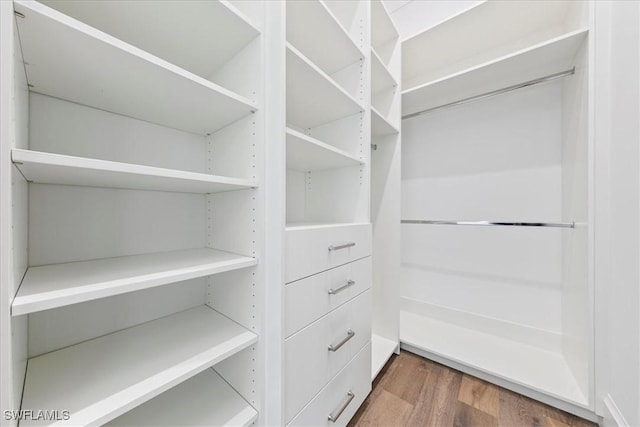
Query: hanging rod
x=502 y=223
x=494 y=92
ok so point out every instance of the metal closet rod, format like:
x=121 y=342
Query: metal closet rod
x=494 y=92
x=492 y=223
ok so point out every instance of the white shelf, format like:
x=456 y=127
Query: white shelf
x=383 y=30
x=204 y=400
x=313 y=98
x=49 y=168
x=532 y=367
x=305 y=153
x=293 y=226
x=57 y=285
x=214 y=31
x=380 y=126
x=92 y=68
x=381 y=77
x=100 y=379
x=381 y=350
x=549 y=57
x=314 y=30
x=479 y=34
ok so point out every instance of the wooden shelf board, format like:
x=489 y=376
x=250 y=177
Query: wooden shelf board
x=479 y=34
x=381 y=77
x=58 y=285
x=381 y=350
x=214 y=30
x=91 y=68
x=380 y=126
x=313 y=98
x=537 y=61
x=536 y=368
x=305 y=153
x=49 y=168
x=334 y=49
x=100 y=379
x=382 y=28
x=204 y=400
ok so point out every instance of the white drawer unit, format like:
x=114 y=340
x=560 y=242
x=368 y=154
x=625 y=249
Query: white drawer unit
x=310 y=298
x=312 y=249
x=317 y=353
x=339 y=400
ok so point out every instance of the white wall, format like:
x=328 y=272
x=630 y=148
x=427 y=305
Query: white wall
x=617 y=135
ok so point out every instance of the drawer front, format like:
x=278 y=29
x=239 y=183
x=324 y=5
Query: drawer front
x=308 y=299
x=312 y=250
x=310 y=363
x=355 y=378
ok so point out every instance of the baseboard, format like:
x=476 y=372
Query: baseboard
x=612 y=416
x=509 y=330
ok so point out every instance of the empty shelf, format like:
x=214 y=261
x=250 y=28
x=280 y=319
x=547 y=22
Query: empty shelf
x=100 y=379
x=536 y=368
x=204 y=400
x=381 y=77
x=214 y=30
x=551 y=56
x=382 y=28
x=313 y=98
x=57 y=285
x=49 y=168
x=334 y=50
x=380 y=126
x=381 y=350
x=293 y=226
x=95 y=69
x=305 y=153
x=478 y=35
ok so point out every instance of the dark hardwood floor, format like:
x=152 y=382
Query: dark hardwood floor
x=413 y=391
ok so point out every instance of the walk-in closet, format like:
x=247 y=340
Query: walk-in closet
x=320 y=213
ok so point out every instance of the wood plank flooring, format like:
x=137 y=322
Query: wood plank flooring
x=413 y=391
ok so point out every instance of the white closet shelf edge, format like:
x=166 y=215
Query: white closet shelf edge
x=381 y=350
x=50 y=168
x=101 y=379
x=57 y=285
x=205 y=399
x=305 y=153
x=92 y=68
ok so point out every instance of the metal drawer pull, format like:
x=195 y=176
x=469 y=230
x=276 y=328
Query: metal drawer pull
x=333 y=417
x=336 y=347
x=342 y=288
x=344 y=246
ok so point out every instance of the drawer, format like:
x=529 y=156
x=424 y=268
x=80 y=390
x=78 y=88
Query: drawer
x=355 y=378
x=311 y=298
x=312 y=249
x=310 y=363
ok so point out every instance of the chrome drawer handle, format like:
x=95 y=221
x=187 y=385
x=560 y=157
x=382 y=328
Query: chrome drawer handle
x=336 y=347
x=333 y=417
x=342 y=288
x=344 y=246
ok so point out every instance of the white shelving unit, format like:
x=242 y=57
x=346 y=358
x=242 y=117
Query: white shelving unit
x=492 y=48
x=305 y=153
x=543 y=59
x=48 y=168
x=119 y=77
x=57 y=285
x=101 y=379
x=137 y=224
x=204 y=400
x=385 y=184
x=314 y=98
